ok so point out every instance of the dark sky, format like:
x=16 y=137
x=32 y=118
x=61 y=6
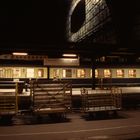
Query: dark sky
x=36 y=21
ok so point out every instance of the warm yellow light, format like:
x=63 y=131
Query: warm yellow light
x=19 y=53
x=70 y=59
x=69 y=55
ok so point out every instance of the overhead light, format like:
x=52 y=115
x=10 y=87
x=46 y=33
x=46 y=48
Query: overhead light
x=19 y=53
x=69 y=55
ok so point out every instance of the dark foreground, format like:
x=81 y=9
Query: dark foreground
x=126 y=126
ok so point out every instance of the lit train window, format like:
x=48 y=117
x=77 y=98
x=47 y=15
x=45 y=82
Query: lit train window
x=96 y=73
x=120 y=73
x=8 y=72
x=40 y=73
x=30 y=73
x=56 y=73
x=67 y=73
x=16 y=72
x=24 y=73
x=132 y=73
x=107 y=73
x=81 y=73
x=1 y=72
x=90 y=73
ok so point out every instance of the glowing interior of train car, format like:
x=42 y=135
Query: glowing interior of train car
x=67 y=73
x=23 y=72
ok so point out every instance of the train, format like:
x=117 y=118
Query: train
x=79 y=76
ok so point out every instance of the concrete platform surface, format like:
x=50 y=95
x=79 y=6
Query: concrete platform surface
x=126 y=126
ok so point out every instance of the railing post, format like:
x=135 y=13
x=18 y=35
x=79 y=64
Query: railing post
x=16 y=96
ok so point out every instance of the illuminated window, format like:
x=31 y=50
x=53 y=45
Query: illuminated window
x=8 y=72
x=56 y=73
x=81 y=73
x=120 y=73
x=67 y=73
x=1 y=73
x=132 y=73
x=30 y=73
x=107 y=73
x=96 y=73
x=40 y=73
x=16 y=72
x=90 y=73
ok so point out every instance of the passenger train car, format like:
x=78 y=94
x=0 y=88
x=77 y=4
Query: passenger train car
x=80 y=76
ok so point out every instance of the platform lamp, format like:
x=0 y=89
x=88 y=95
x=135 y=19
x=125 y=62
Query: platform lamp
x=20 y=53
x=69 y=55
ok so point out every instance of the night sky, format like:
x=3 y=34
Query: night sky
x=33 y=22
